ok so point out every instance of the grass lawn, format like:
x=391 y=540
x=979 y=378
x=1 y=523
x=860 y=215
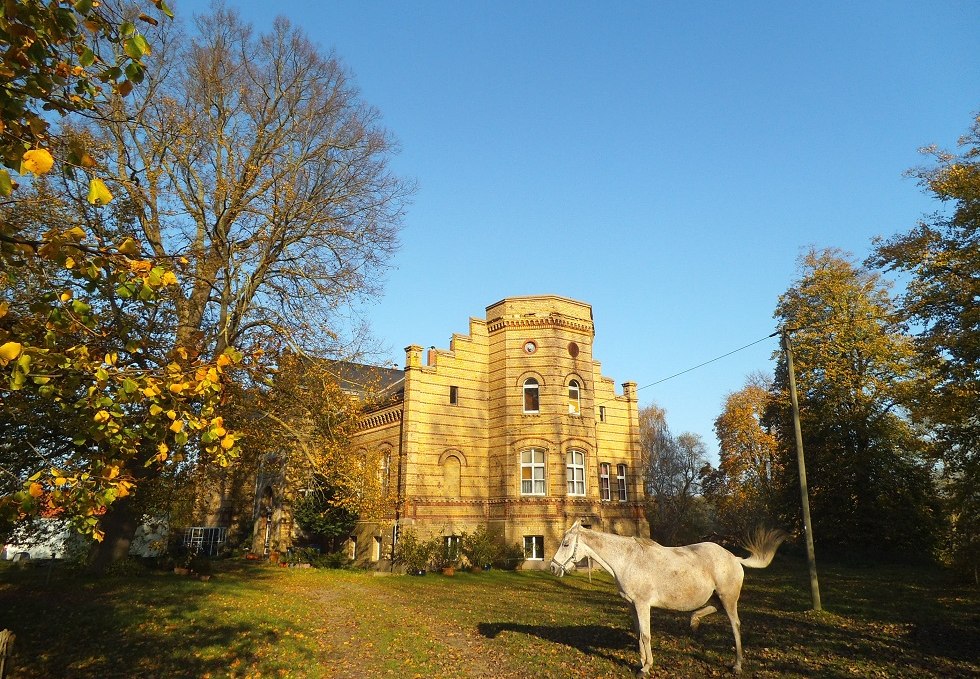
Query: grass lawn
x=254 y=620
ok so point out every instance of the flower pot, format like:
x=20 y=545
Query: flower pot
x=449 y=570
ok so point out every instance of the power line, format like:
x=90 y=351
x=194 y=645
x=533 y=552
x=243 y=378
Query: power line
x=708 y=362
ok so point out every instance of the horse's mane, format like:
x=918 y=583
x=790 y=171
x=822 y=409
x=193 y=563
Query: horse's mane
x=646 y=542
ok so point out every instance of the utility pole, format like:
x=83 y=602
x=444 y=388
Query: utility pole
x=807 y=525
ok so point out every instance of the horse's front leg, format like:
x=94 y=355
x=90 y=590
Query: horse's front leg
x=641 y=617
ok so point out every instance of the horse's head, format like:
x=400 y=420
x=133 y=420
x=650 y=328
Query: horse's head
x=564 y=559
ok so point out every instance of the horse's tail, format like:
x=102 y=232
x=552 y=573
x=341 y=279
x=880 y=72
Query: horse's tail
x=762 y=545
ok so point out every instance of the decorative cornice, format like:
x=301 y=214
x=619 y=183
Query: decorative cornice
x=381 y=418
x=553 y=320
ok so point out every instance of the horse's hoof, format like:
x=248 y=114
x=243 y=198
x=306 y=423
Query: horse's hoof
x=695 y=624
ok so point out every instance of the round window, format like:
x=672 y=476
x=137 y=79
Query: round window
x=572 y=349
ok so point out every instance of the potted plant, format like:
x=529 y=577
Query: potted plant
x=445 y=557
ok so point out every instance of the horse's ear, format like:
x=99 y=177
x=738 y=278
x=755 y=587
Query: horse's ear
x=577 y=524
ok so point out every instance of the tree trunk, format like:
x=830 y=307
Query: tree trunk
x=119 y=523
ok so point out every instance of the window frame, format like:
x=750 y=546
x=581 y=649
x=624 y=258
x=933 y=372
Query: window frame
x=453 y=395
x=574 y=401
x=531 y=389
x=452 y=546
x=536 y=472
x=536 y=542
x=384 y=471
x=621 y=483
x=575 y=473
x=605 y=488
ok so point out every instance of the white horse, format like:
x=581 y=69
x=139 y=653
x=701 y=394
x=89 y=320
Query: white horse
x=675 y=578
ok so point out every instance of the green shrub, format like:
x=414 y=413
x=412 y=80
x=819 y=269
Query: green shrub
x=200 y=564
x=412 y=553
x=332 y=560
x=480 y=548
x=509 y=557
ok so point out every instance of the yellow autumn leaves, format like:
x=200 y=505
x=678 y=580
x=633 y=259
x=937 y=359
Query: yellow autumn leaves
x=98 y=193
x=39 y=162
x=9 y=351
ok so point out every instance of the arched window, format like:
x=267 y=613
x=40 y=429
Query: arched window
x=451 y=476
x=574 y=398
x=384 y=471
x=532 y=472
x=531 y=401
x=575 y=468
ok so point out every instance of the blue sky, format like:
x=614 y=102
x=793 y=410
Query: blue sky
x=665 y=162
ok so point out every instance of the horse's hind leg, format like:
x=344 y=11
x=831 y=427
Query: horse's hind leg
x=730 y=604
x=641 y=615
x=700 y=613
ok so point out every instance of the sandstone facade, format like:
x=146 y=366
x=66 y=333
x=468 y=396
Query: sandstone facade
x=512 y=427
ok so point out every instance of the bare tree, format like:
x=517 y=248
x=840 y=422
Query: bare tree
x=673 y=469
x=252 y=163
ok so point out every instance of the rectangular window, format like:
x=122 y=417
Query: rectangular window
x=352 y=543
x=621 y=481
x=532 y=472
x=453 y=395
x=451 y=544
x=604 y=492
x=602 y=413
x=534 y=547
x=376 y=551
x=576 y=472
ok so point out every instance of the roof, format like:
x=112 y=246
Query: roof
x=368 y=381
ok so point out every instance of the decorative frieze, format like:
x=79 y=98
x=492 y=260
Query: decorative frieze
x=555 y=321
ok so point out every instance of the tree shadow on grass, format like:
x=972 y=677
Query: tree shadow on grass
x=154 y=625
x=589 y=639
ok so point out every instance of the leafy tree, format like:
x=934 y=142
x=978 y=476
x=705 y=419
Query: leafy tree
x=251 y=162
x=62 y=57
x=320 y=517
x=297 y=430
x=254 y=182
x=673 y=468
x=940 y=259
x=743 y=487
x=114 y=411
x=871 y=491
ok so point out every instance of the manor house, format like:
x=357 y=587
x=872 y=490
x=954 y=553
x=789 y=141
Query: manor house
x=512 y=427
